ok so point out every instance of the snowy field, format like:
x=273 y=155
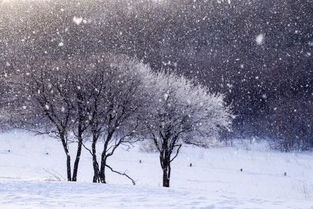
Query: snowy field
x=31 y=168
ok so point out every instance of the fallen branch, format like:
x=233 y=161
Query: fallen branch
x=120 y=173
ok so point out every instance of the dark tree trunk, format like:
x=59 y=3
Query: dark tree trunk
x=102 y=169
x=68 y=157
x=165 y=161
x=166 y=167
x=80 y=130
x=104 y=157
x=77 y=159
x=96 y=175
x=68 y=167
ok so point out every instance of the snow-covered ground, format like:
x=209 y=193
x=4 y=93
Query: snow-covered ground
x=30 y=166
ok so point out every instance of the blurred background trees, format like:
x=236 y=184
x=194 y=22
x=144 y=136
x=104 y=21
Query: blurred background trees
x=258 y=53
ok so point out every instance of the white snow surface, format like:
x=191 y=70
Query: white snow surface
x=29 y=176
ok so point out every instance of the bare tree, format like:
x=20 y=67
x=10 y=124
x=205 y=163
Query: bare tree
x=52 y=95
x=78 y=98
x=181 y=112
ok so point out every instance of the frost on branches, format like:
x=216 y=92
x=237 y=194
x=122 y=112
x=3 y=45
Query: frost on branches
x=117 y=101
x=181 y=112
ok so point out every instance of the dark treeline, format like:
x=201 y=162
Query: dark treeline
x=269 y=82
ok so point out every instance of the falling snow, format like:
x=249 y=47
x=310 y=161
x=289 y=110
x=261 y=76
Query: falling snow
x=260 y=39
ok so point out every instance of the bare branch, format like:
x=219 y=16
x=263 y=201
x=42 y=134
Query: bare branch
x=87 y=148
x=123 y=174
x=177 y=152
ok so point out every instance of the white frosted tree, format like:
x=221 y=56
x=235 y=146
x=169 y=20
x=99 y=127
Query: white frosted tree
x=180 y=112
x=114 y=109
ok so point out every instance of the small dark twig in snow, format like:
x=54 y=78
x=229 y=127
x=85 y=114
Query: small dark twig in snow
x=120 y=173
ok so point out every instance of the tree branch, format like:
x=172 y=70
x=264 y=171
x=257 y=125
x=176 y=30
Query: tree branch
x=123 y=174
x=87 y=148
x=177 y=152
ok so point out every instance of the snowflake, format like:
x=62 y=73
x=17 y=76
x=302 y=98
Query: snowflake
x=77 y=20
x=260 y=39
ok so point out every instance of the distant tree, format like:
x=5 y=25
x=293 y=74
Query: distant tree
x=181 y=112
x=8 y=98
x=291 y=120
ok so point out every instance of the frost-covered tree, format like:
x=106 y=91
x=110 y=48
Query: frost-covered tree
x=114 y=109
x=181 y=112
